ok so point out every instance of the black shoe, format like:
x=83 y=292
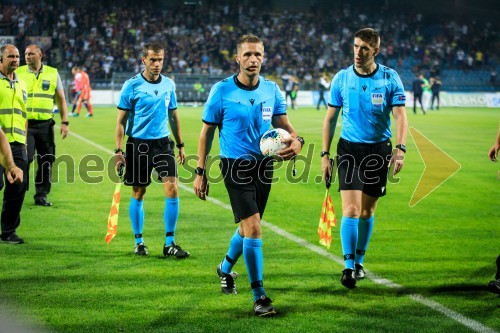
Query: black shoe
x=13 y=238
x=141 y=249
x=227 y=284
x=348 y=278
x=42 y=202
x=175 y=250
x=494 y=287
x=263 y=307
x=360 y=272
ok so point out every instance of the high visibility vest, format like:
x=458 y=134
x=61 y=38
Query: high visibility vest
x=41 y=91
x=13 y=110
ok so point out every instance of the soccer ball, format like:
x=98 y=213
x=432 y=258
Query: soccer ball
x=272 y=141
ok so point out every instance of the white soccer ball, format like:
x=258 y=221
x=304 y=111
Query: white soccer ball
x=272 y=141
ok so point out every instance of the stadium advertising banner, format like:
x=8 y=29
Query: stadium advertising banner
x=310 y=98
x=456 y=99
x=44 y=42
x=491 y=100
x=5 y=39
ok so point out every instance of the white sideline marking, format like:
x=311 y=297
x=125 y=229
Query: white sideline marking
x=470 y=323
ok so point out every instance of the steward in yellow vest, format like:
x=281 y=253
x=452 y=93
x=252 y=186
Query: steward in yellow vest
x=41 y=90
x=13 y=108
x=44 y=88
x=13 y=95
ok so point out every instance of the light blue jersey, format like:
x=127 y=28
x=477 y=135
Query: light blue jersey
x=242 y=114
x=366 y=102
x=148 y=104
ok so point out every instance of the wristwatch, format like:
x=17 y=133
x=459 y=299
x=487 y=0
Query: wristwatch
x=65 y=123
x=401 y=147
x=180 y=145
x=199 y=171
x=118 y=150
x=323 y=153
x=301 y=140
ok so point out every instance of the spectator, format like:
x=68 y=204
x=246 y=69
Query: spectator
x=88 y=31
x=418 y=89
x=435 y=88
x=323 y=86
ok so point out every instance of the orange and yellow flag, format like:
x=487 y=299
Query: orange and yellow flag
x=326 y=220
x=113 y=214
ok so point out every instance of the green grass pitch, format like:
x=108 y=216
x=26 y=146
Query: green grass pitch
x=436 y=257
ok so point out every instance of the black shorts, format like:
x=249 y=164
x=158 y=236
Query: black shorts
x=363 y=166
x=141 y=156
x=248 y=183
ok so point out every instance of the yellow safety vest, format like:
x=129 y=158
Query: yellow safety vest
x=13 y=109
x=41 y=91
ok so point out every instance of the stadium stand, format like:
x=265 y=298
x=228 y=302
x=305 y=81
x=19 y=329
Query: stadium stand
x=107 y=38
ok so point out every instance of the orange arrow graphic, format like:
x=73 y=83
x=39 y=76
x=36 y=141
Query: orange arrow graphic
x=439 y=166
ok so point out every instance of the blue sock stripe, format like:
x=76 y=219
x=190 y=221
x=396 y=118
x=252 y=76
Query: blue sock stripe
x=349 y=256
x=136 y=213
x=234 y=252
x=257 y=284
x=349 y=239
x=254 y=261
x=170 y=217
x=365 y=231
x=229 y=260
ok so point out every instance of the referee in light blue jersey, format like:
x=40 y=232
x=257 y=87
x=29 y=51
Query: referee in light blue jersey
x=147 y=106
x=243 y=107
x=367 y=93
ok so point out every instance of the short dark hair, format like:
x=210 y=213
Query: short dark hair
x=369 y=35
x=248 y=39
x=155 y=47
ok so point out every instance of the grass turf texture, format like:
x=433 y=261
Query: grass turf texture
x=67 y=279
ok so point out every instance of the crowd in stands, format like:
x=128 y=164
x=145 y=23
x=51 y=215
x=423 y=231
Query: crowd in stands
x=108 y=37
